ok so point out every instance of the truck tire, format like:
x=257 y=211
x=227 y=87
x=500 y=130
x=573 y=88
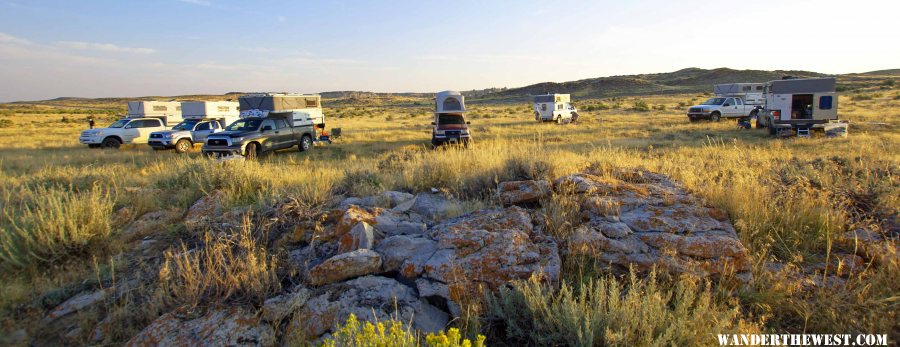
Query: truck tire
x=252 y=151
x=111 y=142
x=305 y=143
x=715 y=116
x=93 y=146
x=183 y=145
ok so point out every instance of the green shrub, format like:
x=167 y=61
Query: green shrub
x=641 y=106
x=6 y=123
x=861 y=97
x=659 y=107
x=605 y=312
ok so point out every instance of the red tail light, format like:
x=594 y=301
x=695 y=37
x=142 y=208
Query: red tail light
x=777 y=114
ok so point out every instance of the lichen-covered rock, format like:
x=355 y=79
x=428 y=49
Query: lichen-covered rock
x=406 y=254
x=77 y=303
x=232 y=326
x=361 y=236
x=204 y=210
x=388 y=199
x=522 y=192
x=435 y=206
x=277 y=308
x=652 y=222
x=151 y=223
x=349 y=218
x=345 y=266
x=490 y=248
x=392 y=223
x=370 y=298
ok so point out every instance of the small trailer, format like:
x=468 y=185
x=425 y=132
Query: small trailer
x=800 y=104
x=450 y=125
x=554 y=107
x=168 y=111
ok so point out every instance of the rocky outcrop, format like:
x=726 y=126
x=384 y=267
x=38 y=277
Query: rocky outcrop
x=522 y=192
x=651 y=222
x=223 y=327
x=370 y=298
x=345 y=266
x=204 y=210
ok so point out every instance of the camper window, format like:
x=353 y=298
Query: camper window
x=825 y=102
x=747 y=88
x=801 y=106
x=452 y=104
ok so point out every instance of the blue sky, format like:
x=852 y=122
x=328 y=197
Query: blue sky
x=171 y=47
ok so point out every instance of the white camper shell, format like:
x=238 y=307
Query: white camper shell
x=201 y=119
x=554 y=107
x=751 y=93
x=800 y=103
x=302 y=109
x=168 y=111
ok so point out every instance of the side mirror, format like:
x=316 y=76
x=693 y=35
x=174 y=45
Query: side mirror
x=320 y=126
x=129 y=126
x=467 y=122
x=432 y=123
x=267 y=128
x=726 y=105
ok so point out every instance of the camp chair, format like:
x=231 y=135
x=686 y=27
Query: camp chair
x=335 y=133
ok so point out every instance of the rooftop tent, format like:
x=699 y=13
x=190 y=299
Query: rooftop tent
x=449 y=101
x=279 y=102
x=806 y=85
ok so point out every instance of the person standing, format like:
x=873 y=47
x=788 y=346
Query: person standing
x=91 y=122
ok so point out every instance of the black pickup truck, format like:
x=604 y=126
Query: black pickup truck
x=254 y=136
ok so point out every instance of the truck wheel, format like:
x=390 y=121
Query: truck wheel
x=183 y=145
x=305 y=143
x=93 y=146
x=111 y=142
x=559 y=120
x=252 y=151
x=715 y=116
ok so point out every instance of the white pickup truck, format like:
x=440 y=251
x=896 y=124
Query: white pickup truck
x=716 y=108
x=123 y=131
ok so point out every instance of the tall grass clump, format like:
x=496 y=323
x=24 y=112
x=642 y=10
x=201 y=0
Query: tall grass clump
x=609 y=312
x=45 y=225
x=222 y=268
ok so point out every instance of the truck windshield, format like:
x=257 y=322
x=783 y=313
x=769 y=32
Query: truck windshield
x=186 y=125
x=245 y=124
x=714 y=101
x=451 y=119
x=119 y=123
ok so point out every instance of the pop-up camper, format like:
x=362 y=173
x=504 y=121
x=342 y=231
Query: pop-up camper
x=304 y=109
x=800 y=103
x=223 y=111
x=750 y=93
x=168 y=111
x=554 y=107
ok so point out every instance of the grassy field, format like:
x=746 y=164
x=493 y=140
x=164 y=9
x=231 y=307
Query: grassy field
x=65 y=206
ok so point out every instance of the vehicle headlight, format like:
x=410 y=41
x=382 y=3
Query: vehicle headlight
x=167 y=136
x=98 y=133
x=237 y=139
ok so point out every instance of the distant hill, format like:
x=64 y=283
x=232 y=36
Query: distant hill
x=688 y=80
x=891 y=72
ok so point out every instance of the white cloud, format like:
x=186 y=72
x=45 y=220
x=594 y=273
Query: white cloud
x=198 y=2
x=7 y=38
x=103 y=47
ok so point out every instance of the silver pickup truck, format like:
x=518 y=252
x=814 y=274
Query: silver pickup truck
x=717 y=108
